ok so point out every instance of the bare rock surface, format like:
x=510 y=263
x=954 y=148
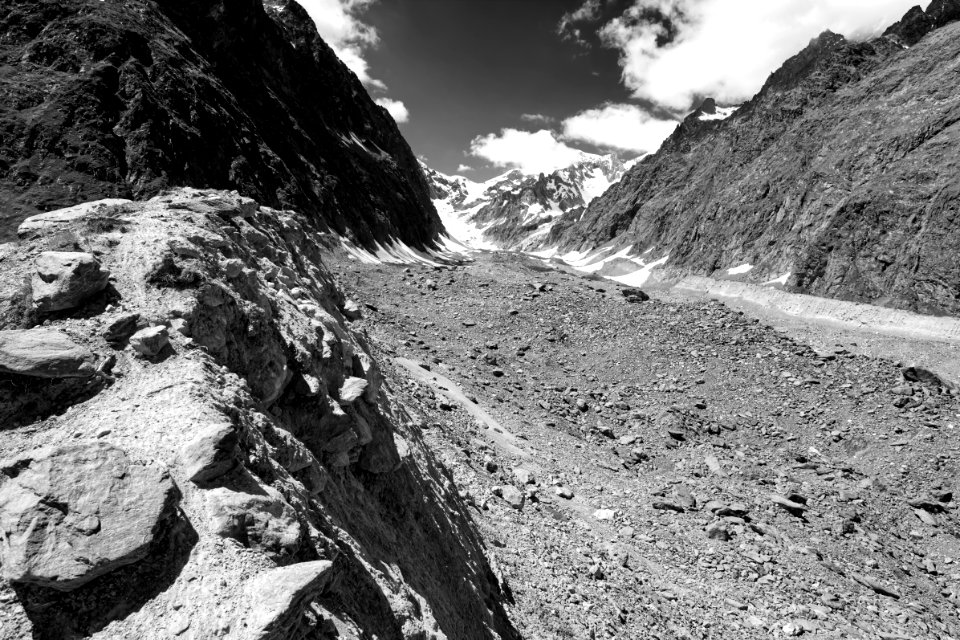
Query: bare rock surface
x=63 y=279
x=72 y=513
x=279 y=600
x=43 y=353
x=239 y=404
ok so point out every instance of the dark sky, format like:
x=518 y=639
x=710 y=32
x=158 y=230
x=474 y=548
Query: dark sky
x=445 y=59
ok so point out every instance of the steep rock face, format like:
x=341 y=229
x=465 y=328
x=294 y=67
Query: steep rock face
x=841 y=172
x=230 y=481
x=515 y=210
x=123 y=99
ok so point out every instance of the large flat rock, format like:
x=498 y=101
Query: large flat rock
x=73 y=513
x=44 y=353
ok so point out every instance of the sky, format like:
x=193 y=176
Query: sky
x=481 y=86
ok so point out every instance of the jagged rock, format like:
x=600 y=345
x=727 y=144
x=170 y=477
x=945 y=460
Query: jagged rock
x=365 y=367
x=280 y=598
x=352 y=390
x=64 y=279
x=150 y=341
x=118 y=332
x=210 y=454
x=511 y=495
x=44 y=353
x=71 y=513
x=352 y=311
x=264 y=521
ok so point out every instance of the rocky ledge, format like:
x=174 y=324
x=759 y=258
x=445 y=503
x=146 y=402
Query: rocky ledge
x=198 y=442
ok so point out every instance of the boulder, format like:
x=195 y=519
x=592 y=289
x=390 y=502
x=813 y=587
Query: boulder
x=64 y=279
x=280 y=597
x=72 y=513
x=44 y=353
x=927 y=377
x=352 y=311
x=366 y=367
x=511 y=495
x=634 y=295
x=352 y=389
x=524 y=476
x=150 y=341
x=263 y=521
x=120 y=329
x=210 y=454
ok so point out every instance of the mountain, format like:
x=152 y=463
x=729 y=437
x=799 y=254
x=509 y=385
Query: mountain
x=838 y=178
x=514 y=210
x=124 y=99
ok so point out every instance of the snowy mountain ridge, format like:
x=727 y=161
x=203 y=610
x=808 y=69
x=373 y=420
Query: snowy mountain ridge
x=514 y=209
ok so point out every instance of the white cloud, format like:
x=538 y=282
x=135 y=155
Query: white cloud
x=531 y=152
x=338 y=24
x=727 y=48
x=464 y=167
x=396 y=108
x=536 y=117
x=619 y=126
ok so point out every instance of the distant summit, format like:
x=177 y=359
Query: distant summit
x=514 y=210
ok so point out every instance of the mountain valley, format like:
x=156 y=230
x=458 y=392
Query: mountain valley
x=265 y=375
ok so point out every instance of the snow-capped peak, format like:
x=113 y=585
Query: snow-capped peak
x=514 y=209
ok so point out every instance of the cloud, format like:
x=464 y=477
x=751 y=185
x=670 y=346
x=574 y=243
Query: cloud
x=531 y=152
x=396 y=108
x=588 y=12
x=536 y=117
x=675 y=51
x=340 y=27
x=464 y=167
x=619 y=126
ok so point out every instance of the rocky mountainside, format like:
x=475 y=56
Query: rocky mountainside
x=125 y=98
x=838 y=178
x=199 y=441
x=514 y=210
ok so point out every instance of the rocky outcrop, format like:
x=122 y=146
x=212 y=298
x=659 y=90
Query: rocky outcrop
x=123 y=99
x=72 y=513
x=250 y=475
x=839 y=174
